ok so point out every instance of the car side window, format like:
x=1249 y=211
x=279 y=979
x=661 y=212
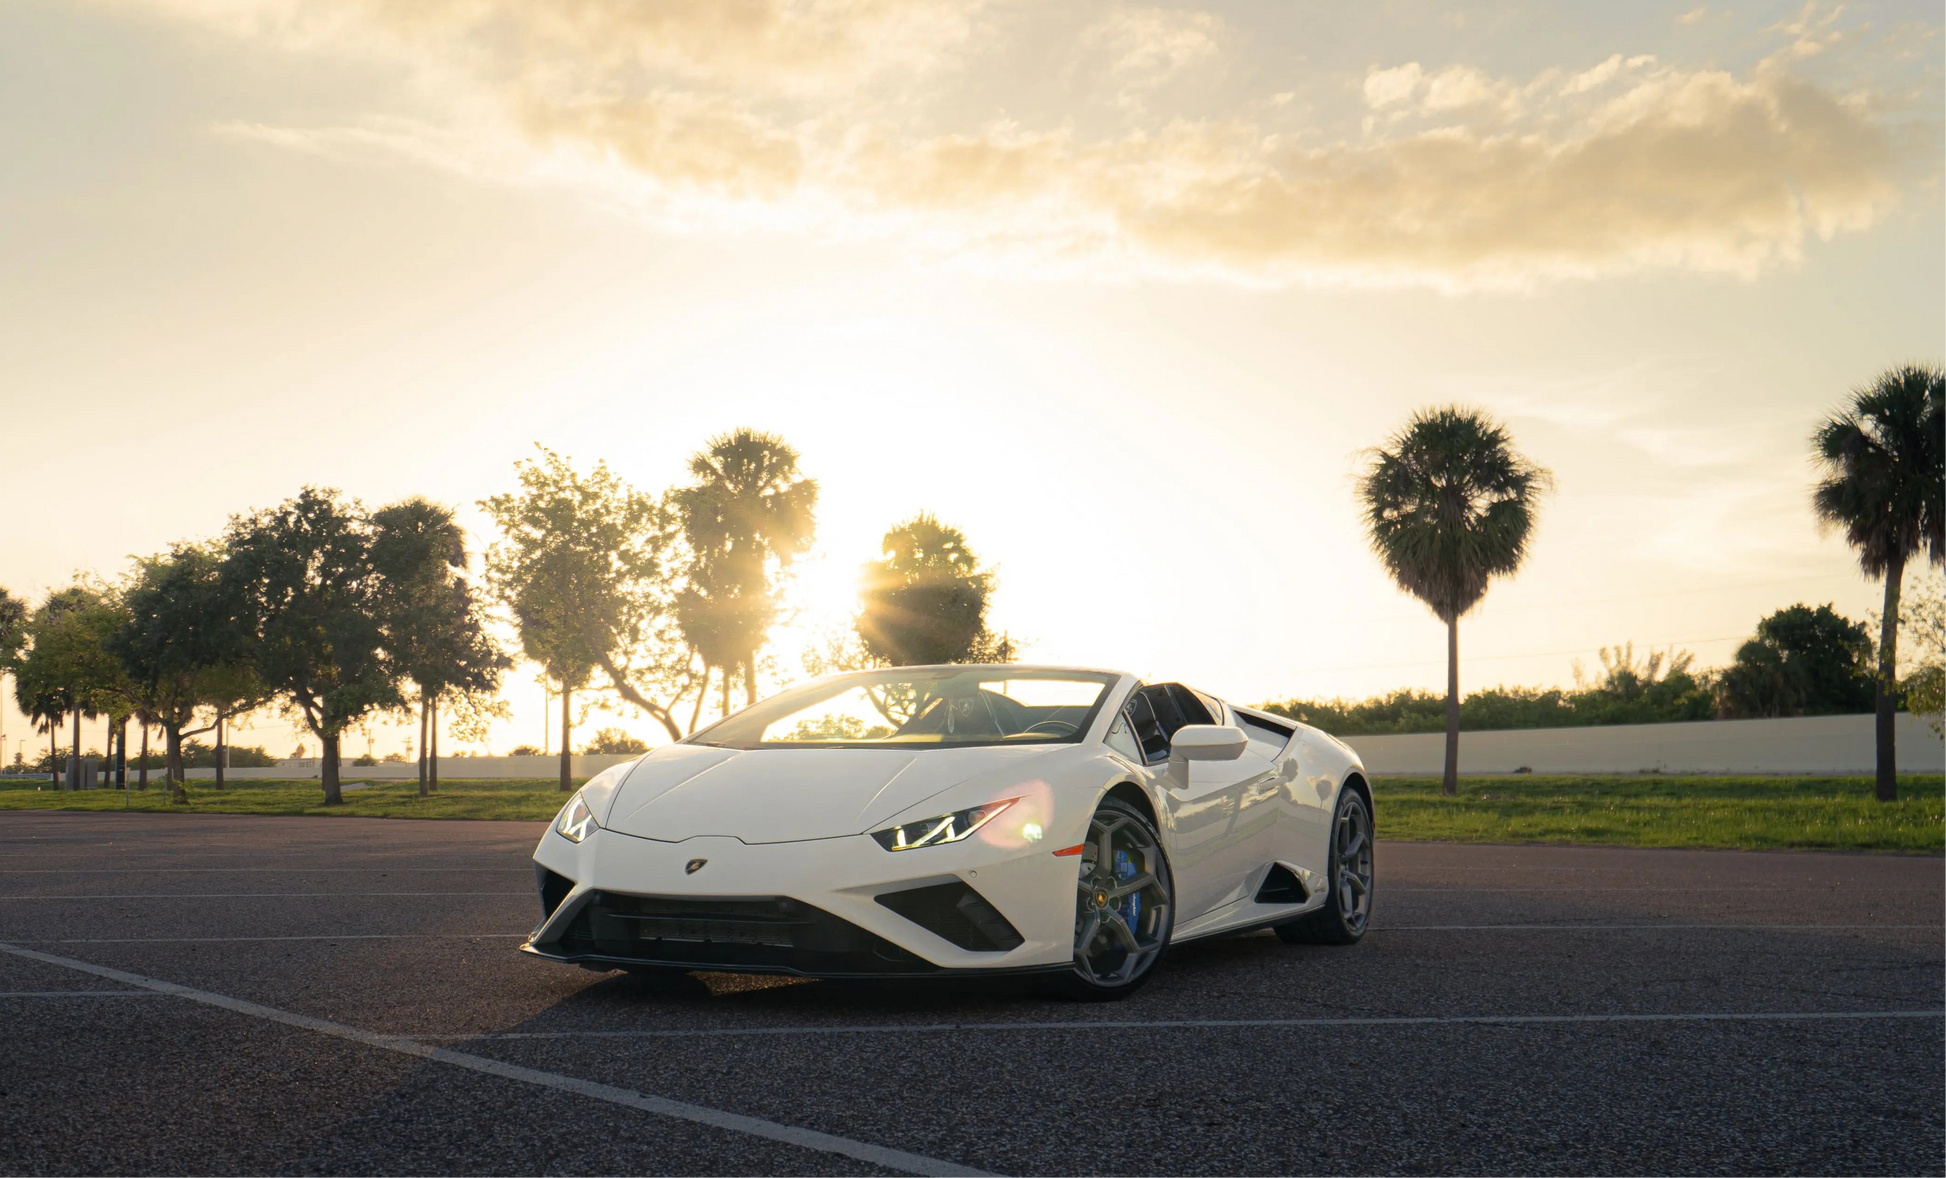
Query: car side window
x=1121 y=738
x=1151 y=730
x=1191 y=706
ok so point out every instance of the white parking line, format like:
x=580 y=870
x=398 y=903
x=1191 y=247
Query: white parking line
x=77 y=994
x=877 y=1155
x=523 y=869
x=529 y=892
x=1590 y=928
x=1212 y=1024
x=304 y=937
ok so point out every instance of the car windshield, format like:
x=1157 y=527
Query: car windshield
x=924 y=707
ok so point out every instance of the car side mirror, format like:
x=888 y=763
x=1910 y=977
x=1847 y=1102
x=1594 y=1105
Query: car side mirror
x=1203 y=742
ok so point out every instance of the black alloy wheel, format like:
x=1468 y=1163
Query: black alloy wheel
x=1124 y=910
x=1347 y=910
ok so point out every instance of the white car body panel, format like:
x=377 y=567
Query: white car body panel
x=796 y=823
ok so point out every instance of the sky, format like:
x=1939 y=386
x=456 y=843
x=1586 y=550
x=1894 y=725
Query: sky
x=1123 y=292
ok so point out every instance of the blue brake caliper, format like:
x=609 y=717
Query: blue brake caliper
x=1131 y=907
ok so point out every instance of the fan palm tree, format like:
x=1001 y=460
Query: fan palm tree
x=1449 y=505
x=1882 y=467
x=749 y=510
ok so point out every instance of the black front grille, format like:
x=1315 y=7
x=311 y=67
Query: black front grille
x=955 y=912
x=762 y=934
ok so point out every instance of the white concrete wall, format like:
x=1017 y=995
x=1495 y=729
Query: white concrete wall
x=450 y=768
x=1808 y=744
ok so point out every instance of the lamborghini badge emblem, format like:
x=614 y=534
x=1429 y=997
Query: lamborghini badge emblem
x=693 y=866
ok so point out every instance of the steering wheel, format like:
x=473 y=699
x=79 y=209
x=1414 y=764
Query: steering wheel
x=1053 y=728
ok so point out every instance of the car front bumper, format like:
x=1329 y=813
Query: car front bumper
x=836 y=907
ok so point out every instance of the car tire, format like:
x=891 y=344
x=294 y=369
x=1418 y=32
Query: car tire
x=1347 y=910
x=1125 y=908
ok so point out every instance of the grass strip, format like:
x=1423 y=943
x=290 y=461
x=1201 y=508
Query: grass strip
x=506 y=799
x=1743 y=813
x=1738 y=813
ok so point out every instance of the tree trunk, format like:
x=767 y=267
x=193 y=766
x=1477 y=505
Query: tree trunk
x=329 y=772
x=432 y=755
x=1449 y=782
x=425 y=708
x=567 y=694
x=74 y=762
x=178 y=792
x=121 y=755
x=54 y=752
x=219 y=751
x=727 y=669
x=1886 y=787
x=627 y=691
x=702 y=693
x=142 y=769
x=750 y=679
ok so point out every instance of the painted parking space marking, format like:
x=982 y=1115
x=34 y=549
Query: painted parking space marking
x=78 y=994
x=1596 y=928
x=297 y=937
x=527 y=893
x=1214 y=1024
x=523 y=869
x=877 y=1155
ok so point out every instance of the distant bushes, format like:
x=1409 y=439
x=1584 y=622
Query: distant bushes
x=1801 y=662
x=1627 y=697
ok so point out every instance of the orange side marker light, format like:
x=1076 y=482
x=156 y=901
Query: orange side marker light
x=1076 y=849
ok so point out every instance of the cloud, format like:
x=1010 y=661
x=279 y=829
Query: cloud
x=1150 y=45
x=826 y=113
x=1390 y=86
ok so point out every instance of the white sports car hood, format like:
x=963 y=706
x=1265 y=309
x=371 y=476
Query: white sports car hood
x=785 y=795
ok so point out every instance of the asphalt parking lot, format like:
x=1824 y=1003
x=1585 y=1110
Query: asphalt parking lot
x=204 y=994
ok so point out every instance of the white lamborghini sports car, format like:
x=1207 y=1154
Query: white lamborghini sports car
x=958 y=820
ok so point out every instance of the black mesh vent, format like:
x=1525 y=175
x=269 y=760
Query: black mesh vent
x=554 y=888
x=773 y=934
x=1281 y=886
x=956 y=913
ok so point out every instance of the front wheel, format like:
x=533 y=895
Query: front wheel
x=1348 y=909
x=1124 y=909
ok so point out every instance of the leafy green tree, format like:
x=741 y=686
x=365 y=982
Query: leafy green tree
x=583 y=565
x=926 y=600
x=309 y=607
x=1922 y=623
x=1802 y=662
x=68 y=672
x=435 y=631
x=1882 y=478
x=748 y=514
x=178 y=647
x=614 y=740
x=1449 y=505
x=14 y=616
x=13 y=628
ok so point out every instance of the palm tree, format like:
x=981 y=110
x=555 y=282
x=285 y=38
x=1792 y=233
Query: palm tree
x=1882 y=470
x=1448 y=506
x=748 y=510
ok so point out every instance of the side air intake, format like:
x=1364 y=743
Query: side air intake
x=1281 y=886
x=956 y=913
x=554 y=888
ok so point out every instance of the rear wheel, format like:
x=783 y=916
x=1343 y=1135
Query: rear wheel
x=1124 y=909
x=1348 y=908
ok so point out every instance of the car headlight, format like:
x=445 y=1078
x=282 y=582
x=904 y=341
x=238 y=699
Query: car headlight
x=947 y=828
x=576 y=820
